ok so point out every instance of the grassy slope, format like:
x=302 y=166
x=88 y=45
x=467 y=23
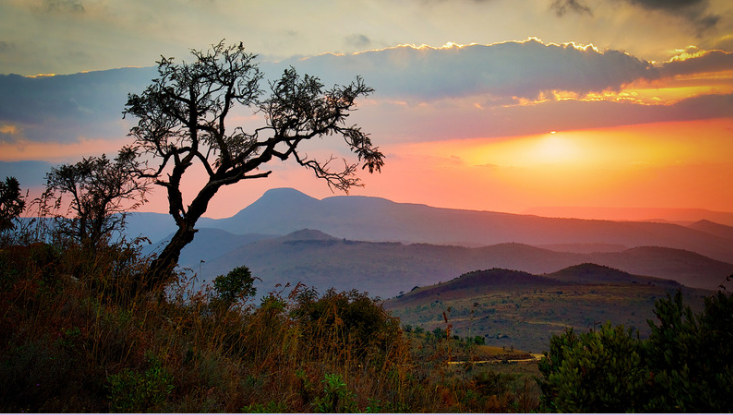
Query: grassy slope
x=515 y=309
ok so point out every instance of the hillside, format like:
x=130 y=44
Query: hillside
x=281 y=211
x=517 y=309
x=722 y=231
x=386 y=268
x=208 y=244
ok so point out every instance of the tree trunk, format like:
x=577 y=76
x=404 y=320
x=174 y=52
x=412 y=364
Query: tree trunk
x=161 y=269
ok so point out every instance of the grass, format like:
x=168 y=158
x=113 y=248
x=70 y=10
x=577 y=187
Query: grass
x=77 y=338
x=526 y=316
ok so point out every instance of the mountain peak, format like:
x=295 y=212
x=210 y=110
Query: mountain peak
x=278 y=201
x=284 y=194
x=308 y=235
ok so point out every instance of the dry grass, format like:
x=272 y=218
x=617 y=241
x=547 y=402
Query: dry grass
x=76 y=338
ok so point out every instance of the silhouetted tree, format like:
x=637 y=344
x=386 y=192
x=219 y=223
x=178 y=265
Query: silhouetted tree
x=182 y=121
x=101 y=191
x=11 y=203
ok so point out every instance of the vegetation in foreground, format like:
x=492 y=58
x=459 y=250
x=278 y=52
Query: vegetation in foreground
x=75 y=338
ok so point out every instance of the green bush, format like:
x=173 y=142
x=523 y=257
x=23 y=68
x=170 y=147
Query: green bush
x=336 y=396
x=690 y=357
x=684 y=365
x=131 y=391
x=599 y=371
x=236 y=285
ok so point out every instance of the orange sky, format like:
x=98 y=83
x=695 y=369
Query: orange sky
x=674 y=164
x=618 y=103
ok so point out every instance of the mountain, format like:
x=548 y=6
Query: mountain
x=208 y=244
x=679 y=216
x=722 y=231
x=154 y=226
x=386 y=268
x=281 y=211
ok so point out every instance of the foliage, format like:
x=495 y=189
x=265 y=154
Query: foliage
x=11 y=203
x=88 y=344
x=237 y=284
x=349 y=318
x=336 y=396
x=102 y=191
x=183 y=120
x=690 y=356
x=131 y=391
x=684 y=365
x=598 y=371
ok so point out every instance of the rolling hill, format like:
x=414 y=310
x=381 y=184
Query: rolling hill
x=518 y=309
x=386 y=268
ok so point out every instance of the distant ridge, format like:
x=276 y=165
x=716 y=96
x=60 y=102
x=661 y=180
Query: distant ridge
x=282 y=211
x=386 y=268
x=669 y=215
x=713 y=228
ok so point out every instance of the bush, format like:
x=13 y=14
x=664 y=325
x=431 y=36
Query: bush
x=131 y=391
x=690 y=357
x=684 y=365
x=236 y=285
x=599 y=371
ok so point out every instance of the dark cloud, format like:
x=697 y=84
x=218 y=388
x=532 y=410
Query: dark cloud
x=451 y=80
x=512 y=69
x=63 y=108
x=669 y=5
x=360 y=42
x=6 y=46
x=712 y=61
x=64 y=6
x=693 y=11
x=561 y=7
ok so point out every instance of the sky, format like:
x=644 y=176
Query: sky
x=493 y=105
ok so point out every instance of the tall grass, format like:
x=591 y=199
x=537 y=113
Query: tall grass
x=77 y=337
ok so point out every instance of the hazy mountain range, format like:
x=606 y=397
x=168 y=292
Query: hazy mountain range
x=382 y=247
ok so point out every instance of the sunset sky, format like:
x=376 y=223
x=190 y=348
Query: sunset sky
x=498 y=105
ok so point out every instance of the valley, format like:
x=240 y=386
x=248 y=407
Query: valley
x=513 y=279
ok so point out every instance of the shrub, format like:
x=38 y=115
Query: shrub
x=131 y=391
x=598 y=371
x=684 y=365
x=236 y=285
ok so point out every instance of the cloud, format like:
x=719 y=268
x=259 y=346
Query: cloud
x=693 y=11
x=65 y=108
x=63 y=6
x=422 y=93
x=701 y=62
x=526 y=69
x=431 y=123
x=561 y=7
x=358 y=41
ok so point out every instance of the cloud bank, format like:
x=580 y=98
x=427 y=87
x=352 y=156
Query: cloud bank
x=422 y=93
x=504 y=71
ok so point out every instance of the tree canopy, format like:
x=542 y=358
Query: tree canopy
x=184 y=120
x=11 y=203
x=101 y=192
